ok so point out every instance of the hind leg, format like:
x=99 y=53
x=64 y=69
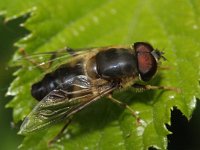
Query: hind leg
x=59 y=135
x=53 y=56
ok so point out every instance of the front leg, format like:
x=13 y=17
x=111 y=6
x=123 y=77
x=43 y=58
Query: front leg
x=59 y=135
x=151 y=87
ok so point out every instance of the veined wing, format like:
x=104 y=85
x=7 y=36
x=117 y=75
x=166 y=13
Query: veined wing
x=46 y=58
x=60 y=104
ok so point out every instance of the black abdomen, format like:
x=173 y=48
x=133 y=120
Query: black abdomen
x=63 y=75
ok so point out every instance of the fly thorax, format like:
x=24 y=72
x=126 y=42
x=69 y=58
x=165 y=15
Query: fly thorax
x=116 y=63
x=91 y=68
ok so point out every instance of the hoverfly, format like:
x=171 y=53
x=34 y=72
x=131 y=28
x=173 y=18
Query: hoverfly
x=89 y=76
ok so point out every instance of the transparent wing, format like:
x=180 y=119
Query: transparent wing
x=46 y=58
x=61 y=104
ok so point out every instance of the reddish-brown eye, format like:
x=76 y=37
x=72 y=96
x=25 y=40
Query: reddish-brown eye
x=146 y=63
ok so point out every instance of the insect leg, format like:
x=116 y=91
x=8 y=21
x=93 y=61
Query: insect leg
x=71 y=51
x=59 y=135
x=24 y=53
x=53 y=56
x=124 y=105
x=151 y=87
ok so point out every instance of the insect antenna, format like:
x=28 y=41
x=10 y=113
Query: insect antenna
x=158 y=54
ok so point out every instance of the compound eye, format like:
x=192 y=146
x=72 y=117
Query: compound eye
x=146 y=63
x=142 y=47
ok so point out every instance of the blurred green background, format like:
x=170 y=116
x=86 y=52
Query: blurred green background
x=186 y=134
x=10 y=32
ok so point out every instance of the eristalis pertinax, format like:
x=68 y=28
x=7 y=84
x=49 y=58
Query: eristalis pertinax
x=88 y=76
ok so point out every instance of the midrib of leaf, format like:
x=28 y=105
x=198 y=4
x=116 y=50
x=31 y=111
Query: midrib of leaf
x=131 y=29
x=162 y=137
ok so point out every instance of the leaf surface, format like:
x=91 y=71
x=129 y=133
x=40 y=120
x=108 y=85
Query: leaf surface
x=169 y=25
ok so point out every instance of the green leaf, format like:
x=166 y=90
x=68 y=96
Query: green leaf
x=170 y=25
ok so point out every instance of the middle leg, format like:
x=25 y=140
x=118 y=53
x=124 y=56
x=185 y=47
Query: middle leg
x=151 y=87
x=124 y=105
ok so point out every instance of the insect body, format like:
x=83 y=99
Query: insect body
x=86 y=78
